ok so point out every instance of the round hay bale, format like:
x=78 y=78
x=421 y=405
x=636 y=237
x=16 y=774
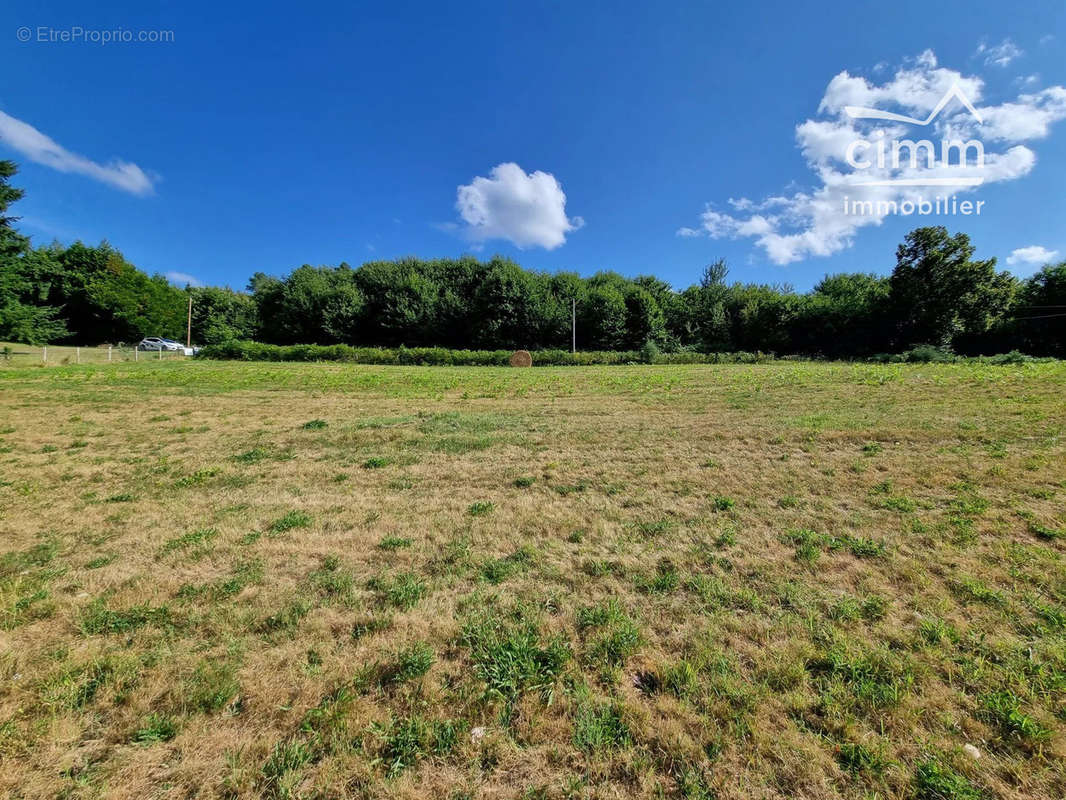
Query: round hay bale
x=521 y=358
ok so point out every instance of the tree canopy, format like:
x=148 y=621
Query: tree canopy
x=937 y=294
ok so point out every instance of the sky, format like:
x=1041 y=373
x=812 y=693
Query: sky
x=642 y=138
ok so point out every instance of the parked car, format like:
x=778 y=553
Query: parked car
x=158 y=343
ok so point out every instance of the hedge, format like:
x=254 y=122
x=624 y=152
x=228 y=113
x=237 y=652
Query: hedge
x=439 y=356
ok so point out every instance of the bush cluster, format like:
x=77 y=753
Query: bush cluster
x=443 y=357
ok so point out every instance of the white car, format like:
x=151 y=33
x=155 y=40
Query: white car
x=157 y=343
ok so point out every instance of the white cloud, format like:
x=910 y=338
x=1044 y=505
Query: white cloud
x=528 y=210
x=999 y=55
x=183 y=278
x=802 y=223
x=1030 y=117
x=1033 y=255
x=38 y=147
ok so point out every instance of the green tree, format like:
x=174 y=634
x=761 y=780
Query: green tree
x=220 y=315
x=644 y=319
x=504 y=306
x=709 y=321
x=107 y=299
x=1041 y=312
x=601 y=317
x=844 y=315
x=938 y=292
x=24 y=276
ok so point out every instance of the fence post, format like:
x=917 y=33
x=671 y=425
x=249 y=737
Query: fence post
x=136 y=352
x=109 y=354
x=160 y=352
x=44 y=354
x=77 y=355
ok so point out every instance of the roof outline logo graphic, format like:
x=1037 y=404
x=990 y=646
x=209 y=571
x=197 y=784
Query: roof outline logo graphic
x=860 y=112
x=953 y=178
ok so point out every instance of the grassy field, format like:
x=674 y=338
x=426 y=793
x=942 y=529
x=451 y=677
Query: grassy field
x=775 y=581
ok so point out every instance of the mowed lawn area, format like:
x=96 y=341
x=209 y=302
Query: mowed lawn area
x=789 y=580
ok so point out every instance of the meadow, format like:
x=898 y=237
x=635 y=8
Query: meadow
x=740 y=581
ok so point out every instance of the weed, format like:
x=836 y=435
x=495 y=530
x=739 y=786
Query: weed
x=511 y=658
x=315 y=425
x=936 y=631
x=873 y=679
x=500 y=569
x=565 y=490
x=856 y=757
x=406 y=741
x=723 y=503
x=1044 y=532
x=376 y=462
x=394 y=543
x=1003 y=710
x=196 y=538
x=973 y=590
x=524 y=482
x=370 y=625
x=600 y=728
x=288 y=757
x=936 y=781
x=156 y=728
x=653 y=528
x=286 y=618
x=665 y=580
x=411 y=662
x=612 y=636
x=480 y=508
x=403 y=590
x=291 y=521
x=211 y=686
x=98 y=619
x=201 y=476
x=680 y=679
x=253 y=456
x=330 y=581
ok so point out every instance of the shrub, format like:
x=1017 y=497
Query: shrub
x=439 y=356
x=649 y=352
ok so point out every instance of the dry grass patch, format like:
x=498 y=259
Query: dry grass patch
x=320 y=580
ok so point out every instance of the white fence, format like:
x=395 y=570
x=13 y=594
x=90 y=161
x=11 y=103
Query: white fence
x=24 y=355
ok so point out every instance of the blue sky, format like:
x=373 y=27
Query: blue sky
x=268 y=136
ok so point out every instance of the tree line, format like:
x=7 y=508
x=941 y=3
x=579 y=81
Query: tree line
x=938 y=294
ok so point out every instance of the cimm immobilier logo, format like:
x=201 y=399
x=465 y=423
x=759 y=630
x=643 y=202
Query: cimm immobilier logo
x=906 y=163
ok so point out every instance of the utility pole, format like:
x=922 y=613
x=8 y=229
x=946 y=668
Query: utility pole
x=573 y=324
x=188 y=328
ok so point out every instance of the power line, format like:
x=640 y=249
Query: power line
x=1042 y=316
